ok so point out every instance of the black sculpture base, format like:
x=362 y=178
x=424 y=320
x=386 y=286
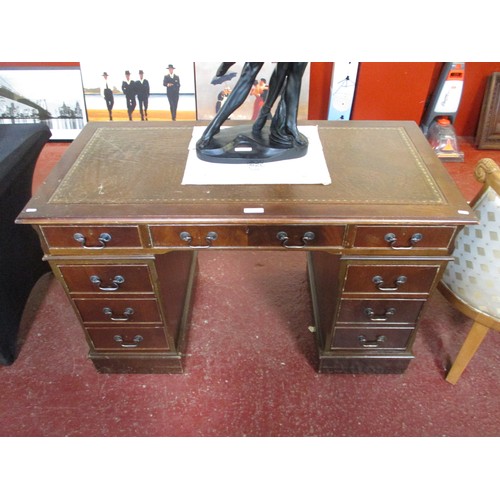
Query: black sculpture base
x=238 y=144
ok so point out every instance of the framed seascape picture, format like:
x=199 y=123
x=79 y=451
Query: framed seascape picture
x=211 y=93
x=138 y=90
x=51 y=94
x=488 y=130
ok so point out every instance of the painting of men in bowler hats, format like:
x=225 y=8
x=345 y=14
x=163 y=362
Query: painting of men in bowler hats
x=145 y=98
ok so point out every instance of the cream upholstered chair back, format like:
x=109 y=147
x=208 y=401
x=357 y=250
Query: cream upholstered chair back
x=474 y=275
x=472 y=280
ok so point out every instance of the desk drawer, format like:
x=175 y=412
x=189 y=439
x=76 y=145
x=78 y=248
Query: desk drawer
x=198 y=236
x=376 y=311
x=296 y=236
x=390 y=278
x=92 y=238
x=106 y=278
x=282 y=236
x=371 y=338
x=128 y=339
x=118 y=311
x=403 y=237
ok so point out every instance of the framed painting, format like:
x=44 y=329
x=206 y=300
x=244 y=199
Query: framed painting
x=211 y=92
x=488 y=130
x=137 y=90
x=34 y=93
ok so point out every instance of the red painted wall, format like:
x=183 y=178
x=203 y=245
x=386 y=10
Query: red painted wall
x=392 y=91
x=319 y=89
x=400 y=91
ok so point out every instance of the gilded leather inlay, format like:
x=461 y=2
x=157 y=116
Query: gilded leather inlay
x=136 y=165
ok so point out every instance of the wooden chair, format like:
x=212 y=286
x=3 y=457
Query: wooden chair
x=472 y=281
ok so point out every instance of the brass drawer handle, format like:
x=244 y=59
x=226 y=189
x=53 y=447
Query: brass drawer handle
x=392 y=240
x=115 y=284
x=103 y=239
x=125 y=317
x=380 y=339
x=137 y=340
x=379 y=283
x=391 y=311
x=283 y=237
x=210 y=238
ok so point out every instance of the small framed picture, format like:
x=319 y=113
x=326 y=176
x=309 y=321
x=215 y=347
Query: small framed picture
x=488 y=130
x=46 y=94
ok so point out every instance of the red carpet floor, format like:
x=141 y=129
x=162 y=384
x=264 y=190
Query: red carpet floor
x=250 y=370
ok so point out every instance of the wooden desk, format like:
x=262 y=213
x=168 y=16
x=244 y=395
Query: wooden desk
x=122 y=234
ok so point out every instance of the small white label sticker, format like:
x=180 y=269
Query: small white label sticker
x=256 y=210
x=32 y=210
x=463 y=212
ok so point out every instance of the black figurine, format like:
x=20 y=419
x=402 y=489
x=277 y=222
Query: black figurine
x=258 y=143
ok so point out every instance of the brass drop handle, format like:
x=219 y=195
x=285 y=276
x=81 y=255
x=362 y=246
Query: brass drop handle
x=113 y=287
x=283 y=237
x=209 y=238
x=137 y=340
x=391 y=311
x=380 y=339
x=103 y=239
x=392 y=240
x=127 y=313
x=379 y=283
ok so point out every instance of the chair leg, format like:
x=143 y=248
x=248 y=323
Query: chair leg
x=469 y=347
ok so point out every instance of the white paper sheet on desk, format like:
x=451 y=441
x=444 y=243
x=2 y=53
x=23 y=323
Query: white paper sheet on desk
x=310 y=169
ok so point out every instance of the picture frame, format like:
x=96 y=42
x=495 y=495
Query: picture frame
x=43 y=93
x=209 y=95
x=488 y=130
x=154 y=71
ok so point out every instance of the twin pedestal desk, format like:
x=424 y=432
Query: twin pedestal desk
x=122 y=235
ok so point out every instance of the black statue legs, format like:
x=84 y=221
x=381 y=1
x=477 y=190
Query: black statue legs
x=285 y=81
x=233 y=102
x=243 y=144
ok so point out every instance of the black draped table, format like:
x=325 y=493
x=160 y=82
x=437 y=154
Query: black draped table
x=21 y=263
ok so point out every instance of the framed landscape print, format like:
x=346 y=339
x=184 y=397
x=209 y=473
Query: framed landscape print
x=488 y=130
x=210 y=96
x=43 y=93
x=119 y=89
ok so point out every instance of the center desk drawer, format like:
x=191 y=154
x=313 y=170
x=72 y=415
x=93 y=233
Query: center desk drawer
x=92 y=237
x=403 y=237
x=279 y=236
x=116 y=278
x=118 y=311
